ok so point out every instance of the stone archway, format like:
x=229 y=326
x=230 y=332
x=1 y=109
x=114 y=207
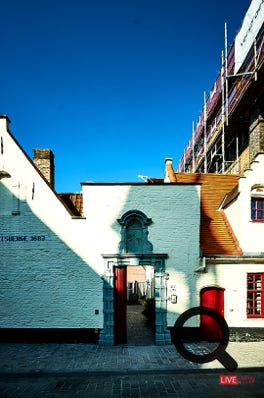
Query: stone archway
x=162 y=335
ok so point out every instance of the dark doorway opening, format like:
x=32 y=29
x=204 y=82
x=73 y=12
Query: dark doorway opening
x=140 y=305
x=140 y=329
x=134 y=305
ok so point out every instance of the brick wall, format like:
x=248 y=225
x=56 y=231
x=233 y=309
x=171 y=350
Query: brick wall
x=256 y=133
x=51 y=264
x=44 y=160
x=47 y=279
x=175 y=213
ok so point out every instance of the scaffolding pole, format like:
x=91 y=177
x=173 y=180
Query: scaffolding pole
x=205 y=135
x=226 y=80
x=255 y=61
x=223 y=114
x=193 y=159
x=237 y=154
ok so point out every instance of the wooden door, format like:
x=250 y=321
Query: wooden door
x=211 y=297
x=120 y=303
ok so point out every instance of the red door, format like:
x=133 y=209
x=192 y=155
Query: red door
x=120 y=303
x=211 y=297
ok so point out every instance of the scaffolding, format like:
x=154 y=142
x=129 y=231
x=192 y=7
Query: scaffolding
x=206 y=151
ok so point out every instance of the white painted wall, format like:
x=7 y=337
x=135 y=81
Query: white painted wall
x=48 y=282
x=175 y=212
x=233 y=278
x=56 y=281
x=249 y=234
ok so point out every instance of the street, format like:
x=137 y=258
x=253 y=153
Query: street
x=135 y=385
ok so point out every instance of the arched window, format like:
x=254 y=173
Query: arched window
x=134 y=233
x=257 y=202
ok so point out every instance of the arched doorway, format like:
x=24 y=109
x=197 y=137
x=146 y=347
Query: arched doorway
x=115 y=296
x=134 y=250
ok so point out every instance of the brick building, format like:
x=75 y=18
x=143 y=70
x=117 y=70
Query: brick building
x=64 y=258
x=229 y=131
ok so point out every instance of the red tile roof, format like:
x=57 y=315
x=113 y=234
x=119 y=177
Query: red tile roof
x=216 y=234
x=73 y=202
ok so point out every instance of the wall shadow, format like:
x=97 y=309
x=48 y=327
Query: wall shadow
x=48 y=292
x=143 y=202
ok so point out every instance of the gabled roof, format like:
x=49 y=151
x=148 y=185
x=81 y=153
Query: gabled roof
x=216 y=234
x=72 y=202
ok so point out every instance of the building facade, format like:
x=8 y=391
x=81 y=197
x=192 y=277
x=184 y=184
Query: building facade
x=229 y=131
x=232 y=244
x=64 y=258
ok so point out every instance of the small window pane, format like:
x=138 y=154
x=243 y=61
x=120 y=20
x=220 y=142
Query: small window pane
x=250 y=283
x=257 y=208
x=259 y=215
x=255 y=295
x=260 y=204
x=258 y=282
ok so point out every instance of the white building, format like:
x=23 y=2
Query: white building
x=64 y=258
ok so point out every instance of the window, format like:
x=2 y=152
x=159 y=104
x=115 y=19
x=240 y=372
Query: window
x=257 y=209
x=257 y=203
x=255 y=295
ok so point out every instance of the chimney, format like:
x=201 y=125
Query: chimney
x=44 y=160
x=4 y=121
x=169 y=175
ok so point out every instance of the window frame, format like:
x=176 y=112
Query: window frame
x=254 y=291
x=256 y=209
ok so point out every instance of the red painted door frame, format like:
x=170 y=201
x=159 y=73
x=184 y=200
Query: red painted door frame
x=211 y=297
x=120 y=305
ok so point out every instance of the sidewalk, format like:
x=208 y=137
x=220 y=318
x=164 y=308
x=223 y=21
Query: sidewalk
x=37 y=359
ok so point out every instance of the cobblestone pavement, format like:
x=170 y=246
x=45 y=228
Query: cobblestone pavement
x=91 y=358
x=136 y=370
x=87 y=370
x=140 y=331
x=181 y=385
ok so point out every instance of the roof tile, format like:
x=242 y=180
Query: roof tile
x=216 y=234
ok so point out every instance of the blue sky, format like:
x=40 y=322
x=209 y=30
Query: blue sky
x=111 y=86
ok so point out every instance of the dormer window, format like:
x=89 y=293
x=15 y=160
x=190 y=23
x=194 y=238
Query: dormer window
x=257 y=203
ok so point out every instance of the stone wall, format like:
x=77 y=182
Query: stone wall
x=256 y=133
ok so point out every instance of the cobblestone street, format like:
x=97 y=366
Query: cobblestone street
x=84 y=370
x=128 y=371
x=141 y=385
